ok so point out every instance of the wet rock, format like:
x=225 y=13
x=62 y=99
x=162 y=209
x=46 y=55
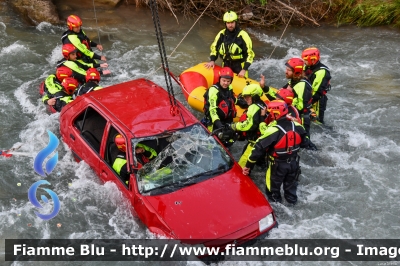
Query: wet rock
x=36 y=11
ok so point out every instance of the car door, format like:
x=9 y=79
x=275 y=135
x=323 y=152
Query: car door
x=86 y=136
x=107 y=167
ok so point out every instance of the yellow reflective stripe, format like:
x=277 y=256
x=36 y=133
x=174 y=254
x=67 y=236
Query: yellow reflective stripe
x=118 y=163
x=248 y=123
x=268 y=176
x=315 y=106
x=73 y=66
x=79 y=45
x=66 y=99
x=298 y=101
x=319 y=77
x=158 y=174
x=212 y=99
x=249 y=45
x=90 y=65
x=51 y=86
x=245 y=156
x=213 y=46
x=147 y=148
x=45 y=98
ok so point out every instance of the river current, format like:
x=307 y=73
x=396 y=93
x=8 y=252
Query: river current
x=349 y=188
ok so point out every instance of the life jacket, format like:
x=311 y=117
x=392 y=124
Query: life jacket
x=294 y=114
x=226 y=104
x=81 y=36
x=309 y=71
x=307 y=94
x=242 y=134
x=52 y=85
x=230 y=48
x=289 y=143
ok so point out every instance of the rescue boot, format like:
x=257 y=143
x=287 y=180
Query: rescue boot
x=273 y=197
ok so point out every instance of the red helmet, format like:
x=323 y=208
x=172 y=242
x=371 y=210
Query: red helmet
x=92 y=74
x=226 y=72
x=310 y=54
x=63 y=72
x=68 y=49
x=70 y=84
x=73 y=21
x=120 y=142
x=296 y=64
x=277 y=109
x=286 y=95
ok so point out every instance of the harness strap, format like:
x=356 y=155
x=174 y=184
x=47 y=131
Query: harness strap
x=287 y=139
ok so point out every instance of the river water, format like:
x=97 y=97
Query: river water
x=349 y=188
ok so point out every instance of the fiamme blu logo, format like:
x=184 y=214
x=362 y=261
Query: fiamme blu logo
x=49 y=167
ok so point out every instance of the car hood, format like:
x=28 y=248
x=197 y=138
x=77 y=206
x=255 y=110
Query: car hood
x=213 y=208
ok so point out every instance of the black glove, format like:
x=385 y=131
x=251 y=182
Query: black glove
x=265 y=89
x=217 y=124
x=312 y=147
x=316 y=97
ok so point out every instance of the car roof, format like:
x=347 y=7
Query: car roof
x=143 y=107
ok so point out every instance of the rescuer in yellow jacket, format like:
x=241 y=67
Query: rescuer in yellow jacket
x=233 y=45
x=281 y=142
x=251 y=119
x=76 y=36
x=319 y=76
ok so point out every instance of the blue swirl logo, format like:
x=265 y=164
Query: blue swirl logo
x=50 y=165
x=32 y=198
x=41 y=156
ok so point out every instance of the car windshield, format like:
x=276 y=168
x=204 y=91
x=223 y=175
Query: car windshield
x=184 y=157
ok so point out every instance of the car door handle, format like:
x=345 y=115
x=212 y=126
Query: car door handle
x=104 y=174
x=72 y=136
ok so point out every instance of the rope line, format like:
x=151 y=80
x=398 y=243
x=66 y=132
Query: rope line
x=287 y=24
x=185 y=35
x=95 y=16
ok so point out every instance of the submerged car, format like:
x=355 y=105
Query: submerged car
x=193 y=189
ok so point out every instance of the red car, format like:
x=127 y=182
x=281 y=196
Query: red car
x=193 y=189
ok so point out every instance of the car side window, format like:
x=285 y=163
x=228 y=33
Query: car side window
x=91 y=125
x=116 y=158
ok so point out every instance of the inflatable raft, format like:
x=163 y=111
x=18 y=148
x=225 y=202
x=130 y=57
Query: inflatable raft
x=196 y=80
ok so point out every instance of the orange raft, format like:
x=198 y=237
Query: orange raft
x=196 y=80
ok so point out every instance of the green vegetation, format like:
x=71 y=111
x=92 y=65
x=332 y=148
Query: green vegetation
x=262 y=2
x=275 y=13
x=368 y=12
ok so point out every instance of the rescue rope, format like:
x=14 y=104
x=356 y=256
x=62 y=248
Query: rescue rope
x=95 y=16
x=287 y=24
x=98 y=31
x=191 y=28
x=185 y=35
